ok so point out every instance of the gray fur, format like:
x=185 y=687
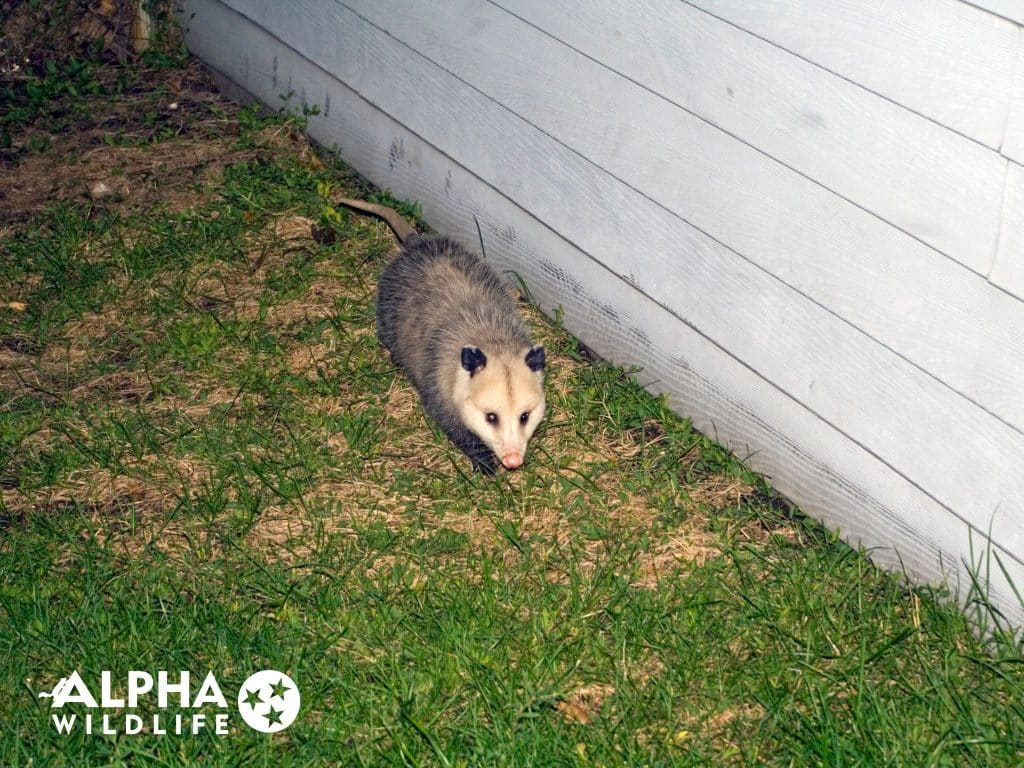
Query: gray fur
x=435 y=298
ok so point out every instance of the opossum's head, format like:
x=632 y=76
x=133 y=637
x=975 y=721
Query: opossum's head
x=501 y=399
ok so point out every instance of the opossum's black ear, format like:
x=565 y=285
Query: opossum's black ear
x=473 y=359
x=535 y=358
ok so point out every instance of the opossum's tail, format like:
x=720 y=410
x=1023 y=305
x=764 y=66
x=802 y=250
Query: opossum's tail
x=402 y=229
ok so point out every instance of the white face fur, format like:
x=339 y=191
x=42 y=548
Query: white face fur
x=501 y=399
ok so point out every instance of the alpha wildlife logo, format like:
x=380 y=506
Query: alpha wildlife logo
x=268 y=701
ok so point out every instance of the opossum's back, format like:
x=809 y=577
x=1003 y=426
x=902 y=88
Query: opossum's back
x=435 y=297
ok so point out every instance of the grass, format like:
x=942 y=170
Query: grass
x=207 y=463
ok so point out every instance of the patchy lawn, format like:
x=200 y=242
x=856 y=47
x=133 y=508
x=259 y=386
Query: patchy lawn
x=207 y=463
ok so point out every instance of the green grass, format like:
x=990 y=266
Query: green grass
x=207 y=463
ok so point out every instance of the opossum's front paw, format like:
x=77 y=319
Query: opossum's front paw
x=479 y=454
x=486 y=465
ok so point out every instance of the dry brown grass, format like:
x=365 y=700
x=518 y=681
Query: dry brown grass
x=130 y=509
x=58 y=366
x=290 y=535
x=721 y=728
x=719 y=492
x=582 y=704
x=685 y=547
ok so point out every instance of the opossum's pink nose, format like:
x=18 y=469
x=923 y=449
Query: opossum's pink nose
x=512 y=461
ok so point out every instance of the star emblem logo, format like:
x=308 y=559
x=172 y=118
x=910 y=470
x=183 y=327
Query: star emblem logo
x=269 y=701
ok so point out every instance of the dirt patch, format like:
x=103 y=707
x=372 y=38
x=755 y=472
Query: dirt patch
x=129 y=510
x=290 y=535
x=642 y=669
x=719 y=721
x=272 y=246
x=56 y=368
x=583 y=704
x=117 y=387
x=684 y=548
x=16 y=369
x=719 y=492
x=154 y=491
x=313 y=361
x=318 y=303
x=236 y=291
x=175 y=174
x=727 y=728
x=81 y=344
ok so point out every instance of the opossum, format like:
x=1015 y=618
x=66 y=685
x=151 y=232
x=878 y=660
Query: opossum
x=450 y=324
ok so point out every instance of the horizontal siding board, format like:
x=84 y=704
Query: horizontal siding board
x=940 y=187
x=891 y=286
x=1008 y=272
x=947 y=60
x=835 y=478
x=1008 y=9
x=900 y=414
x=1013 y=142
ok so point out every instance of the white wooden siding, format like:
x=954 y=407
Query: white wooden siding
x=1013 y=142
x=763 y=353
x=1010 y=9
x=1008 y=272
x=923 y=178
x=944 y=59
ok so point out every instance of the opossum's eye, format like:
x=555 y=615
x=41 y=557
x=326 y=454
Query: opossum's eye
x=492 y=418
x=524 y=417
